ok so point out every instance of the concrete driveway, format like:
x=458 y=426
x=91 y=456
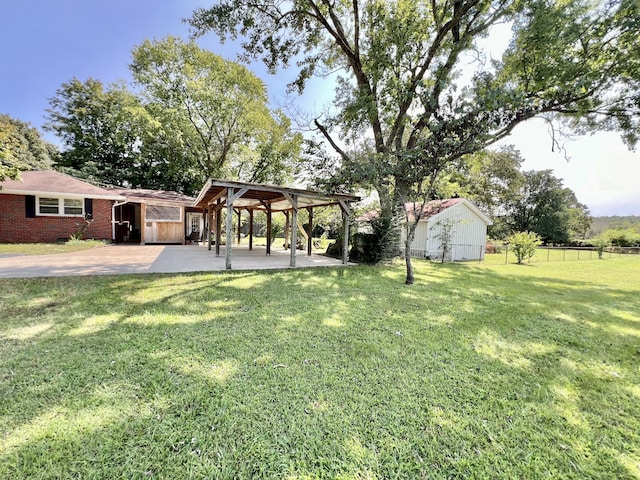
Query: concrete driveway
x=123 y=259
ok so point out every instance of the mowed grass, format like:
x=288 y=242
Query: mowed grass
x=476 y=371
x=48 y=248
x=557 y=254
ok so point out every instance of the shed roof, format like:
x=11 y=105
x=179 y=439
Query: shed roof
x=48 y=182
x=256 y=196
x=430 y=209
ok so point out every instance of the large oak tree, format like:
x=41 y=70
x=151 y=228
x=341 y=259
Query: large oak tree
x=218 y=108
x=400 y=91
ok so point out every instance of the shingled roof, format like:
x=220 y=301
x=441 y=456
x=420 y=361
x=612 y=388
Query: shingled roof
x=427 y=210
x=48 y=182
x=143 y=195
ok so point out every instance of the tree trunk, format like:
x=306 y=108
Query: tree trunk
x=407 y=260
x=410 y=234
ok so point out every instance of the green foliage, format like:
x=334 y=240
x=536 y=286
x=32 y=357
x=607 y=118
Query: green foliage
x=600 y=224
x=523 y=245
x=491 y=179
x=516 y=200
x=105 y=131
x=22 y=148
x=217 y=110
x=544 y=206
x=194 y=116
x=401 y=112
x=475 y=372
x=622 y=237
x=445 y=235
x=601 y=243
x=381 y=245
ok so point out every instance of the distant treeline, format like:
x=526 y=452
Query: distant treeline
x=602 y=224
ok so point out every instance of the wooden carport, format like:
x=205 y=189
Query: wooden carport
x=237 y=196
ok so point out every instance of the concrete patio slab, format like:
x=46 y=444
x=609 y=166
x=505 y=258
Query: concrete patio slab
x=126 y=259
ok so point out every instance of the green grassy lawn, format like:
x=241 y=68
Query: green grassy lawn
x=476 y=371
x=557 y=254
x=48 y=248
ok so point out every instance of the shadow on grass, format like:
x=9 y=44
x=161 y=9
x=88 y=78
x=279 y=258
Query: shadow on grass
x=325 y=372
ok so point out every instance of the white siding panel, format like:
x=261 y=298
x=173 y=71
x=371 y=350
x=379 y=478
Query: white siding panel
x=469 y=235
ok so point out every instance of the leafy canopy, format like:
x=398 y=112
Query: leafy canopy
x=22 y=148
x=193 y=116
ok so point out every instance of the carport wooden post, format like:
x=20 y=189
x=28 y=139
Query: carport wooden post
x=218 y=227
x=287 y=228
x=229 y=233
x=209 y=222
x=346 y=211
x=269 y=214
x=232 y=196
x=250 y=229
x=310 y=231
x=239 y=212
x=143 y=221
x=293 y=200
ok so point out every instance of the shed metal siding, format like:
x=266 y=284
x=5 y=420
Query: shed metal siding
x=468 y=235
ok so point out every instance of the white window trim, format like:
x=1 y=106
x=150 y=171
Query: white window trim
x=60 y=207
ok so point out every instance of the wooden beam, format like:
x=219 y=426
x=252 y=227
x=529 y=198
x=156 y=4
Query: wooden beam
x=233 y=196
x=239 y=212
x=302 y=230
x=218 y=226
x=143 y=221
x=294 y=230
x=287 y=227
x=292 y=199
x=310 y=231
x=269 y=213
x=218 y=196
x=229 y=232
x=209 y=226
x=344 y=206
x=250 y=229
x=345 y=240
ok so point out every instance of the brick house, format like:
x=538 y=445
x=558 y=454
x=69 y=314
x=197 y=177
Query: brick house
x=46 y=206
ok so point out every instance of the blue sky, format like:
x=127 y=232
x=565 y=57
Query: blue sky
x=47 y=42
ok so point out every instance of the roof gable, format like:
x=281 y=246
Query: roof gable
x=435 y=208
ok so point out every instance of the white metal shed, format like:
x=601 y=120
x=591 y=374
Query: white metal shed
x=465 y=223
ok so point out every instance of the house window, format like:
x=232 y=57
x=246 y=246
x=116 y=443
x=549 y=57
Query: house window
x=48 y=206
x=158 y=213
x=71 y=207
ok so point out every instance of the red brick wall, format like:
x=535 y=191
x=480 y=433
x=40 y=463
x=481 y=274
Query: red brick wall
x=15 y=227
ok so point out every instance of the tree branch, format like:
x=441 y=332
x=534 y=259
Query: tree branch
x=335 y=146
